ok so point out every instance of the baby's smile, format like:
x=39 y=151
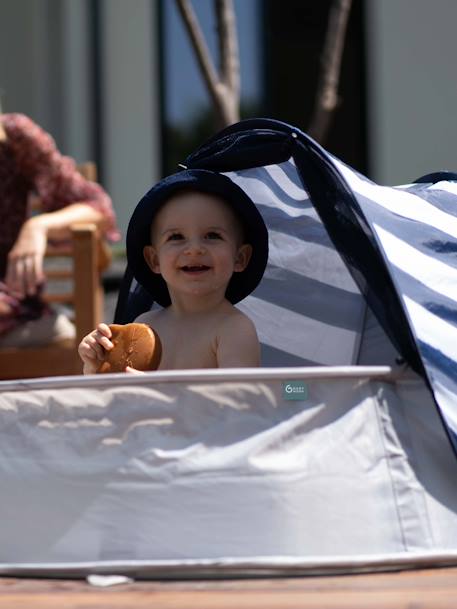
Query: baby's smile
x=195 y=268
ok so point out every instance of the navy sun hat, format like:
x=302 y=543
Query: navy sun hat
x=139 y=231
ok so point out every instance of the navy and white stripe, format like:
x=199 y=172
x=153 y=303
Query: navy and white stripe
x=416 y=227
x=307 y=309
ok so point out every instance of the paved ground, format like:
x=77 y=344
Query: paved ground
x=418 y=589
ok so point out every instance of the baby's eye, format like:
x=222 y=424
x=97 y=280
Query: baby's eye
x=175 y=237
x=213 y=235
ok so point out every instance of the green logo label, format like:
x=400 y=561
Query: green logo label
x=294 y=390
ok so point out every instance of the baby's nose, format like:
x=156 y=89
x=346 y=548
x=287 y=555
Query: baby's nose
x=194 y=245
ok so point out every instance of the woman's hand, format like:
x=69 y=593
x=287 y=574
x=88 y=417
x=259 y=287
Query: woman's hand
x=25 y=260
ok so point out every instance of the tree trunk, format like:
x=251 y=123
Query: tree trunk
x=223 y=87
x=327 y=91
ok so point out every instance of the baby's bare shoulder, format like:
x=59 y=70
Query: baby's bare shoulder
x=149 y=317
x=237 y=342
x=236 y=321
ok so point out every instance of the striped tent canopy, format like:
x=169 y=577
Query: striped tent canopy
x=340 y=243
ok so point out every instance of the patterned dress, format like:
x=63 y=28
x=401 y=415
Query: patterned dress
x=31 y=163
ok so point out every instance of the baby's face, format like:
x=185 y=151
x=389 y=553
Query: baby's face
x=196 y=244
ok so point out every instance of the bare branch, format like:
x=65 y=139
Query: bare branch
x=327 y=91
x=200 y=47
x=225 y=89
x=228 y=45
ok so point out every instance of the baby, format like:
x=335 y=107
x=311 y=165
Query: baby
x=205 y=248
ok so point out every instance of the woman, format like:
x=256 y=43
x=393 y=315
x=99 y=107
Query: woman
x=31 y=164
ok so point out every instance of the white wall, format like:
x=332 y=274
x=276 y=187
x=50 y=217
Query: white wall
x=77 y=79
x=130 y=94
x=412 y=80
x=24 y=69
x=47 y=71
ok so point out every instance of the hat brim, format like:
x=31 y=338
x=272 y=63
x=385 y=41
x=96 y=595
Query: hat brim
x=139 y=231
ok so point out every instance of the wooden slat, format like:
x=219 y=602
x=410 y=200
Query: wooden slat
x=424 y=589
x=59 y=274
x=60 y=298
x=52 y=360
x=59 y=252
x=88 y=170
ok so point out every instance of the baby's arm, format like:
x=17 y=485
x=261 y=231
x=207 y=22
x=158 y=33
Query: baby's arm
x=238 y=345
x=91 y=348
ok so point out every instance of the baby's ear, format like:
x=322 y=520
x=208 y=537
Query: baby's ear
x=152 y=260
x=242 y=258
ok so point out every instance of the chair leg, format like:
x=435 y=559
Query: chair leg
x=87 y=286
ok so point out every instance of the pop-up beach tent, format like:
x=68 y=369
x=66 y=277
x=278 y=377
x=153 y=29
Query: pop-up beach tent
x=337 y=454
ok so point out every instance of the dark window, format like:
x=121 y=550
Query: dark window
x=280 y=43
x=187 y=114
x=294 y=36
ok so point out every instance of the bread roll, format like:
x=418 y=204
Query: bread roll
x=135 y=345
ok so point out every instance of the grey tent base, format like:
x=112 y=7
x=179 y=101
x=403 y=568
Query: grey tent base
x=218 y=472
x=236 y=568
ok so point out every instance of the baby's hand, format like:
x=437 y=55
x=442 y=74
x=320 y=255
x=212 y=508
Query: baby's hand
x=93 y=346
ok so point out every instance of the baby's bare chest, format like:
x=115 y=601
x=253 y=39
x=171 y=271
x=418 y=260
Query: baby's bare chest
x=187 y=347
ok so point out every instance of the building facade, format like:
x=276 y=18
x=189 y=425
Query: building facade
x=117 y=82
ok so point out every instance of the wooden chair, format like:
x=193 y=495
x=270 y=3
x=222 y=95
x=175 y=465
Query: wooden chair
x=73 y=278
